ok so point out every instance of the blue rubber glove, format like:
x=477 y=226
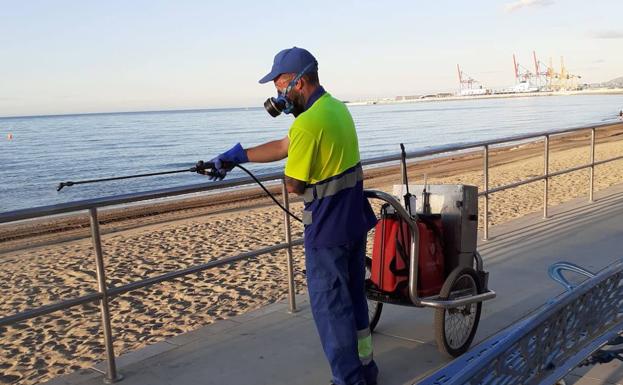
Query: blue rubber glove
x=235 y=155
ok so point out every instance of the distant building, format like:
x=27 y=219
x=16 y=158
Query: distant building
x=407 y=97
x=474 y=91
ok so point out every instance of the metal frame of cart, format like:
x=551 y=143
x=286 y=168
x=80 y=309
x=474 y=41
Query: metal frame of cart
x=457 y=306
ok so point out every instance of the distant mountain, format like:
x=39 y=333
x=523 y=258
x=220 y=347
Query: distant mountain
x=618 y=82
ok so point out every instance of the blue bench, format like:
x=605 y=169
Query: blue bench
x=569 y=331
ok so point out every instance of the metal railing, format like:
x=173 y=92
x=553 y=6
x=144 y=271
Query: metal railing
x=542 y=348
x=105 y=293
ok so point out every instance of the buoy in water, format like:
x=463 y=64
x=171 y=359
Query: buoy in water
x=9 y=136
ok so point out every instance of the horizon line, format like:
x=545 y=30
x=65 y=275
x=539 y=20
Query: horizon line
x=181 y=110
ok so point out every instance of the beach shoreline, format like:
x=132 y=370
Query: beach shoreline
x=55 y=229
x=47 y=263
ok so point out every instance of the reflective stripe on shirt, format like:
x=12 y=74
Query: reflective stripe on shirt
x=338 y=211
x=332 y=186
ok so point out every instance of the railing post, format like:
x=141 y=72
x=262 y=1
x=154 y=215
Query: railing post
x=486 y=193
x=546 y=175
x=111 y=373
x=288 y=233
x=592 y=178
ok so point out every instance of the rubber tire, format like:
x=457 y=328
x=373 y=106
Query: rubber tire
x=440 y=314
x=374 y=320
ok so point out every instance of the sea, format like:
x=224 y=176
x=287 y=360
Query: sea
x=38 y=152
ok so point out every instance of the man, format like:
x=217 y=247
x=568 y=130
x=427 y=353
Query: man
x=324 y=167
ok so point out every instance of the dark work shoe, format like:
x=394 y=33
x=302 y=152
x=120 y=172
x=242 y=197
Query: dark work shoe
x=370 y=373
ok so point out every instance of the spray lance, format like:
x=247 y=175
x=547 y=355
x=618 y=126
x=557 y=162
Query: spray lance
x=204 y=168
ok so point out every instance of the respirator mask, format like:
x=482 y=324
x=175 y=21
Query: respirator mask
x=275 y=106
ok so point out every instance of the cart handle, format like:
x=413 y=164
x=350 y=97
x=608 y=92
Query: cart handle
x=415 y=238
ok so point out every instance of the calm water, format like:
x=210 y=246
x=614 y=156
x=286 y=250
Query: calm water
x=47 y=150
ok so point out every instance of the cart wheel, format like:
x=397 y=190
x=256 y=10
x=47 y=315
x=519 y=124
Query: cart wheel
x=455 y=327
x=374 y=307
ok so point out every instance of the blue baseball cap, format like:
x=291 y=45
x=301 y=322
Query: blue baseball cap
x=290 y=60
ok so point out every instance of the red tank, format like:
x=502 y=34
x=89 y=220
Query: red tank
x=390 y=255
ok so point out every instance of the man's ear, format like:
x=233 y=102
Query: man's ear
x=300 y=84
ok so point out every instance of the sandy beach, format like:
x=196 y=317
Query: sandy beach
x=47 y=261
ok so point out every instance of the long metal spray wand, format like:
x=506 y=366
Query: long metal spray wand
x=70 y=183
x=205 y=168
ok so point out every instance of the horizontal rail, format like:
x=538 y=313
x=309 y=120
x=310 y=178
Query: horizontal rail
x=608 y=160
x=199 y=268
x=512 y=185
x=35 y=212
x=115 y=291
x=62 y=208
x=542 y=177
x=451 y=303
x=47 y=309
x=469 y=145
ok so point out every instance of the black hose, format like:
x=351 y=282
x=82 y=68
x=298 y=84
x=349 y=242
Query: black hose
x=268 y=192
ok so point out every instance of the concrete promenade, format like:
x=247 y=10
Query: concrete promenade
x=272 y=347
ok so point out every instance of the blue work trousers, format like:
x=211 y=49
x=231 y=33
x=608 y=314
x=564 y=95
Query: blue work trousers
x=335 y=282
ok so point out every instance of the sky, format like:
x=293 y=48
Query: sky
x=59 y=56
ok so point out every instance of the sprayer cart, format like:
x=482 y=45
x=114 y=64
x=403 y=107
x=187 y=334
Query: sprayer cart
x=451 y=280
